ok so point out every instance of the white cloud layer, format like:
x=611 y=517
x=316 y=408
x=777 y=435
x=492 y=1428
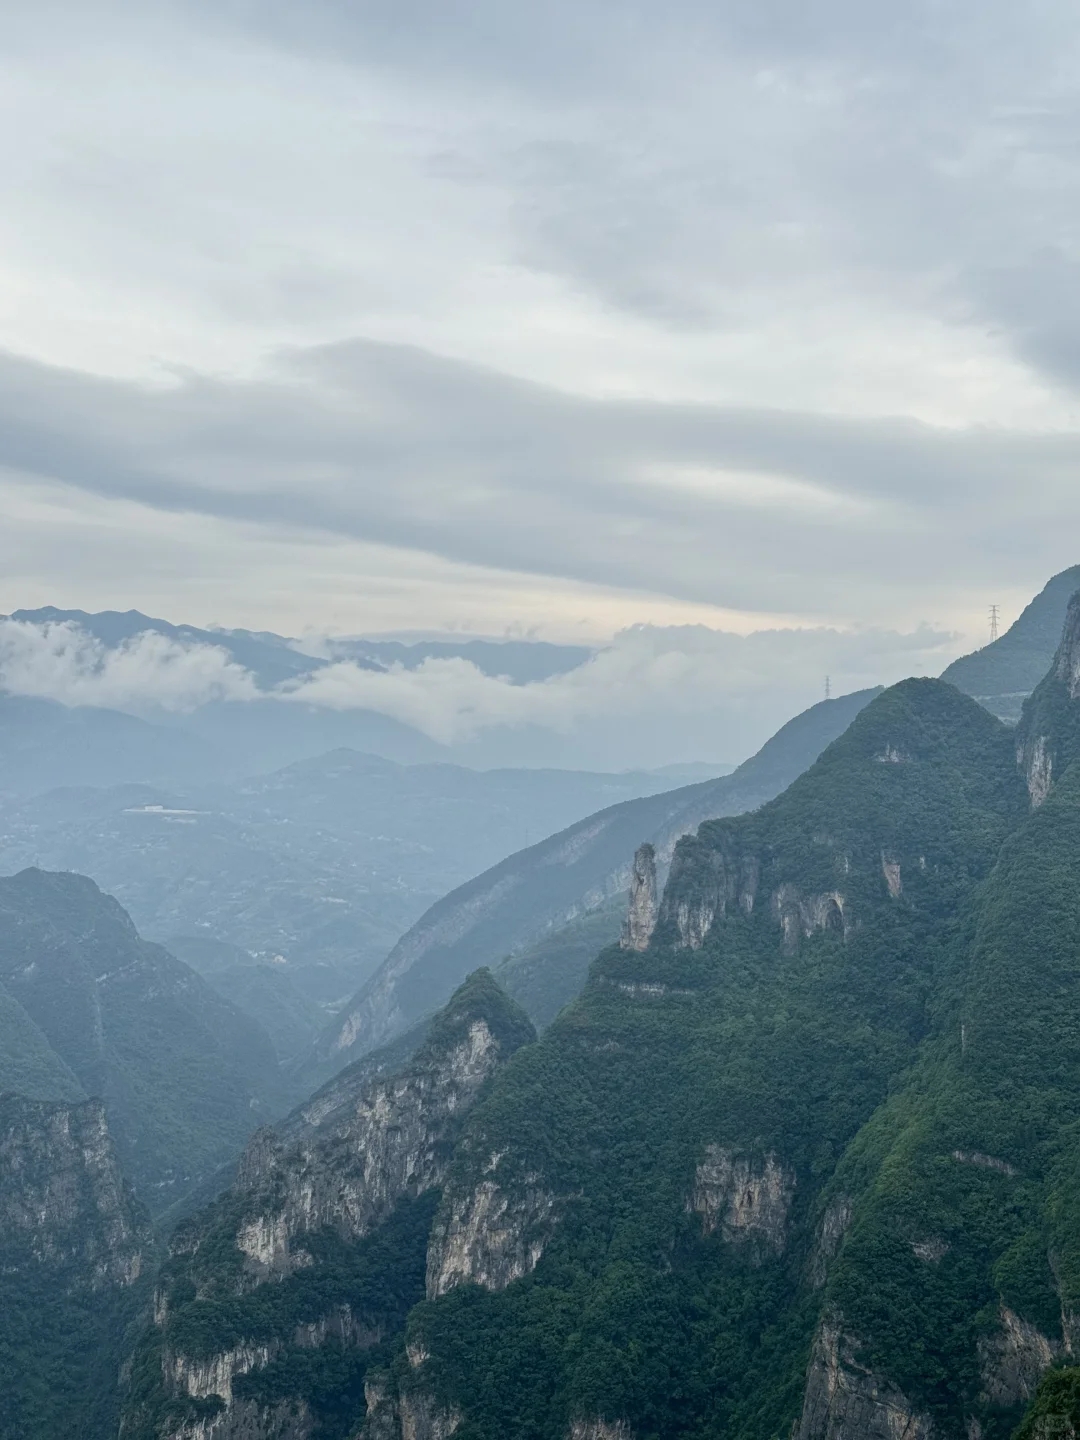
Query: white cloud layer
x=656 y=693
x=60 y=661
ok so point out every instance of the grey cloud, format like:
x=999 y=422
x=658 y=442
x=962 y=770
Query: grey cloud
x=698 y=164
x=396 y=445
x=704 y=166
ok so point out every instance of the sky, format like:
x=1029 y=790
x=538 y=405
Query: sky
x=545 y=320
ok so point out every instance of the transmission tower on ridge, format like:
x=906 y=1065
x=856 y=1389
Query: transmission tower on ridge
x=993 y=623
x=828 y=688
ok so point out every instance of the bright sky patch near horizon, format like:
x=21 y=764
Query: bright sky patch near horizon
x=552 y=320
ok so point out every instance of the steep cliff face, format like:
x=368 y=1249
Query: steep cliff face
x=746 y=1200
x=63 y=1200
x=845 y=1400
x=347 y=1174
x=1013 y=1360
x=334 y=1207
x=73 y=1244
x=489 y=1235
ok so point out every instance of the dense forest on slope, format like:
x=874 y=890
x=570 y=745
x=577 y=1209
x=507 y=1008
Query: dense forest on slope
x=803 y=1158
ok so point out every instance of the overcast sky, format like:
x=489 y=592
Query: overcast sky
x=554 y=318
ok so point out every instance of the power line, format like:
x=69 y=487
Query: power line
x=994 y=613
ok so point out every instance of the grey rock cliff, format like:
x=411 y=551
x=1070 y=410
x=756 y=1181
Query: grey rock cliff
x=63 y=1201
x=704 y=884
x=844 y=1400
x=1048 y=736
x=410 y=1413
x=743 y=1199
x=489 y=1233
x=1013 y=1360
x=342 y=1162
x=349 y=1173
x=641 y=911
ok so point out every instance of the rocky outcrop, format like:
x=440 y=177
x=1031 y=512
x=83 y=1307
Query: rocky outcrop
x=201 y=1379
x=799 y=916
x=831 y=1231
x=844 y=1400
x=706 y=882
x=745 y=1200
x=393 y=1139
x=598 y=1430
x=641 y=911
x=1038 y=766
x=1012 y=1361
x=890 y=869
x=983 y=1162
x=63 y=1201
x=1067 y=660
x=1048 y=736
x=343 y=1163
x=410 y=1413
x=489 y=1235
x=248 y=1420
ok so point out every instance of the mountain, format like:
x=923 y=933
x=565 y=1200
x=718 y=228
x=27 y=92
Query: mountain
x=313 y=871
x=803 y=1158
x=275 y=1300
x=1004 y=673
x=522 y=661
x=73 y=1246
x=676 y=1161
x=535 y=892
x=248 y=737
x=271 y=658
x=92 y=1009
x=44 y=745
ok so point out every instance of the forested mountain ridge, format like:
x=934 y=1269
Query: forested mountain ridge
x=667 y=1148
x=806 y=1151
x=531 y=894
x=803 y=1154
x=91 y=1009
x=275 y=1300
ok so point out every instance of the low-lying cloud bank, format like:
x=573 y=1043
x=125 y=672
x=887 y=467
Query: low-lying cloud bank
x=60 y=661
x=686 y=675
